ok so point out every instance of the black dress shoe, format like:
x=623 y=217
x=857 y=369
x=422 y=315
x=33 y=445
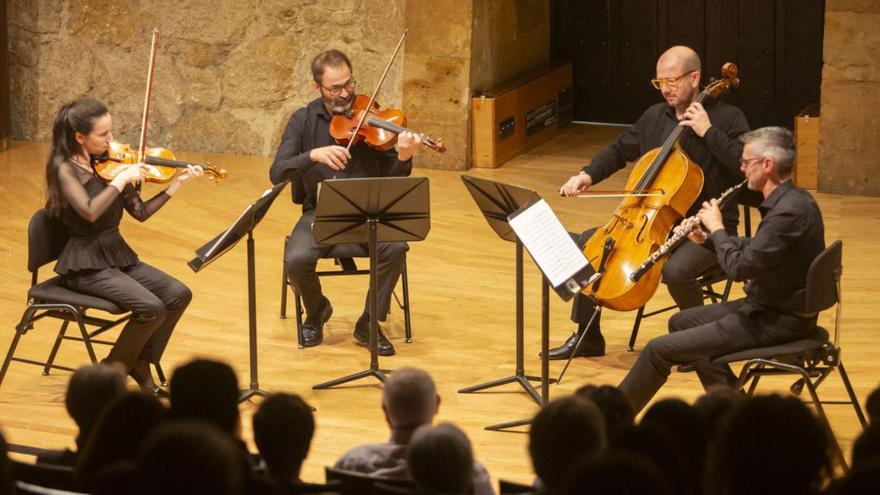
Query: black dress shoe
x=147 y=385
x=590 y=347
x=313 y=329
x=362 y=336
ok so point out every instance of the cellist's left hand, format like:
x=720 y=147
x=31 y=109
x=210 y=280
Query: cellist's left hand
x=697 y=119
x=407 y=144
x=184 y=176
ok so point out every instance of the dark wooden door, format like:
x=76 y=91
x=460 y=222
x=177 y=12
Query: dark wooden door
x=614 y=45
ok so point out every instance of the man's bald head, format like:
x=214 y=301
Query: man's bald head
x=681 y=57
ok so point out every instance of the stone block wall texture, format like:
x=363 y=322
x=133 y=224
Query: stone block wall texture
x=849 y=141
x=228 y=73
x=4 y=79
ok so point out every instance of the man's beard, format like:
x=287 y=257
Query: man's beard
x=338 y=105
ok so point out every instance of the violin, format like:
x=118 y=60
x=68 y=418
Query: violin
x=380 y=128
x=159 y=164
x=665 y=182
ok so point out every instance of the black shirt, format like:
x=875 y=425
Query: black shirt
x=717 y=152
x=309 y=128
x=776 y=260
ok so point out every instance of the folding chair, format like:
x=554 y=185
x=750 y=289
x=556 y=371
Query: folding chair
x=51 y=299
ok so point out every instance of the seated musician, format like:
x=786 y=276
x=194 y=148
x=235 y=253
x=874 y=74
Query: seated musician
x=96 y=259
x=774 y=262
x=711 y=142
x=309 y=155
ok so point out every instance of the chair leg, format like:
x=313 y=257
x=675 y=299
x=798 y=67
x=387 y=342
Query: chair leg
x=55 y=347
x=299 y=318
x=160 y=374
x=820 y=411
x=727 y=286
x=87 y=340
x=407 y=323
x=852 y=395
x=635 y=330
x=284 y=282
x=19 y=331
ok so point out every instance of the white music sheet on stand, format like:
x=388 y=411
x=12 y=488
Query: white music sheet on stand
x=548 y=243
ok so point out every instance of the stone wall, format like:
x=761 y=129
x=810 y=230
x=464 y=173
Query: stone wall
x=228 y=72
x=510 y=37
x=4 y=79
x=849 y=146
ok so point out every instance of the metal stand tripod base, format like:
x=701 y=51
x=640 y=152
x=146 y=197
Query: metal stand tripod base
x=350 y=378
x=254 y=391
x=521 y=379
x=509 y=425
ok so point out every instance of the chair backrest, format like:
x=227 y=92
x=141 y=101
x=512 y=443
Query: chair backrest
x=46 y=238
x=44 y=475
x=362 y=484
x=823 y=276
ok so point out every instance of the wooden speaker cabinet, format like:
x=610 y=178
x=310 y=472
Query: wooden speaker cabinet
x=520 y=114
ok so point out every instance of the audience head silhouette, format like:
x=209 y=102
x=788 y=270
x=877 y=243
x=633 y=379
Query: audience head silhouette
x=561 y=432
x=440 y=460
x=872 y=405
x=769 y=445
x=283 y=429
x=118 y=434
x=188 y=457
x=615 y=473
x=89 y=390
x=615 y=409
x=409 y=399
x=207 y=390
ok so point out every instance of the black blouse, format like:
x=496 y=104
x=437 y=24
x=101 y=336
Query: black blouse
x=92 y=216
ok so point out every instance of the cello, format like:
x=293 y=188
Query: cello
x=642 y=222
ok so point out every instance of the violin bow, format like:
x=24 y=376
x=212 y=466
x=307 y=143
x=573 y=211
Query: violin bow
x=375 y=92
x=142 y=145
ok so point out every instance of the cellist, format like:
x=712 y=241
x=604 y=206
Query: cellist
x=711 y=141
x=309 y=155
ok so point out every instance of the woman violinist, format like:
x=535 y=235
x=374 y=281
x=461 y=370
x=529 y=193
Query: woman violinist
x=96 y=259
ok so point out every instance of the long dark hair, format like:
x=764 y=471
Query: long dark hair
x=76 y=116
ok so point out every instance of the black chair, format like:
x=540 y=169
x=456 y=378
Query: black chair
x=351 y=483
x=511 y=488
x=51 y=299
x=343 y=257
x=22 y=488
x=810 y=359
x=43 y=475
x=708 y=279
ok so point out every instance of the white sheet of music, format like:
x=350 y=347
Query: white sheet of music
x=548 y=243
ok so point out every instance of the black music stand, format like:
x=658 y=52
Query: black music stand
x=216 y=247
x=372 y=210
x=497 y=201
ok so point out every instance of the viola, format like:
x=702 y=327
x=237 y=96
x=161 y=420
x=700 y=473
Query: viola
x=159 y=164
x=379 y=129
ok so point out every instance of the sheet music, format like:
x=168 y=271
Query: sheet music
x=548 y=243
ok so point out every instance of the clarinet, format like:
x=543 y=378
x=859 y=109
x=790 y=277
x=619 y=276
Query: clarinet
x=679 y=235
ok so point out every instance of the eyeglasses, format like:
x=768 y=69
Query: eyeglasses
x=746 y=162
x=337 y=89
x=669 y=81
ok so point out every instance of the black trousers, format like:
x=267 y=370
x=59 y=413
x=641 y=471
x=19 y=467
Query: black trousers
x=699 y=334
x=680 y=273
x=302 y=256
x=156 y=300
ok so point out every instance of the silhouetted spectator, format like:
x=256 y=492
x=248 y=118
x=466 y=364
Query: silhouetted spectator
x=410 y=400
x=89 y=390
x=207 y=390
x=7 y=485
x=191 y=457
x=118 y=435
x=872 y=405
x=715 y=405
x=685 y=425
x=440 y=460
x=864 y=480
x=657 y=446
x=563 y=431
x=866 y=448
x=616 y=473
x=769 y=445
x=612 y=404
x=283 y=430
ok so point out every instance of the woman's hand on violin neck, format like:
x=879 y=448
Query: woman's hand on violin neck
x=407 y=144
x=132 y=174
x=333 y=156
x=576 y=185
x=183 y=177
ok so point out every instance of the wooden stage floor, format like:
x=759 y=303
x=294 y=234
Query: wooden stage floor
x=462 y=288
